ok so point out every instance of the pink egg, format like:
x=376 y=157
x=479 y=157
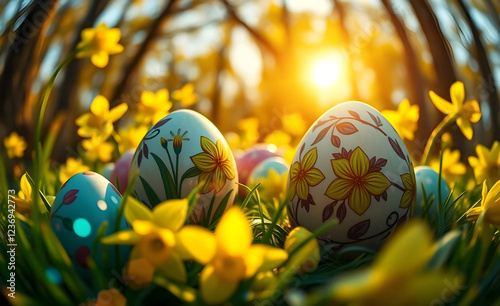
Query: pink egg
x=251 y=158
x=121 y=170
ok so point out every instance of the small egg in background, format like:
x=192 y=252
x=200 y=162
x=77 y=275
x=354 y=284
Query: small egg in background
x=270 y=171
x=252 y=157
x=121 y=170
x=428 y=179
x=82 y=205
x=107 y=169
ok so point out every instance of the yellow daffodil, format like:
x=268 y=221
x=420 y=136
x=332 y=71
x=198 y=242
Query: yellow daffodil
x=160 y=238
x=232 y=257
x=487 y=163
x=72 y=167
x=15 y=145
x=452 y=168
x=404 y=119
x=186 y=95
x=307 y=258
x=263 y=286
x=278 y=138
x=97 y=149
x=98 y=44
x=272 y=187
x=99 y=121
x=215 y=165
x=24 y=200
x=356 y=182
x=140 y=273
x=130 y=137
x=303 y=174
x=490 y=205
x=398 y=275
x=294 y=124
x=153 y=106
x=466 y=112
x=111 y=297
x=250 y=132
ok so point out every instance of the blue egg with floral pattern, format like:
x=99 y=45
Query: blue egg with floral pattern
x=84 y=203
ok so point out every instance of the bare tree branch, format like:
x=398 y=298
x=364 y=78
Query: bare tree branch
x=146 y=44
x=486 y=74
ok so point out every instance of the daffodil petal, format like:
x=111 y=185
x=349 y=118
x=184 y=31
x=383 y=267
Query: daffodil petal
x=269 y=257
x=196 y=242
x=143 y=227
x=117 y=112
x=100 y=59
x=100 y=106
x=465 y=127
x=126 y=237
x=134 y=210
x=174 y=269
x=233 y=232
x=139 y=273
x=457 y=93
x=171 y=214
x=26 y=187
x=213 y=290
x=399 y=252
x=444 y=106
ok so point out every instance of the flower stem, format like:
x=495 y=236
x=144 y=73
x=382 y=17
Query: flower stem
x=436 y=134
x=38 y=157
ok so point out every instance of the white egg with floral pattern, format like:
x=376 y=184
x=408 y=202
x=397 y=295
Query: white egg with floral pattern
x=351 y=165
x=180 y=152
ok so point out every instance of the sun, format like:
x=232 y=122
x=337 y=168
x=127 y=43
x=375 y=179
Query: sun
x=326 y=70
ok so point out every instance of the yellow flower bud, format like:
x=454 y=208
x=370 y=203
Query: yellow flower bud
x=307 y=258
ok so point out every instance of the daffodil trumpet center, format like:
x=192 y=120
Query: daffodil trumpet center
x=229 y=268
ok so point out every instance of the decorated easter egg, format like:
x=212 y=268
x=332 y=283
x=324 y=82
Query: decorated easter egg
x=252 y=157
x=107 y=169
x=272 y=174
x=83 y=204
x=353 y=166
x=120 y=174
x=180 y=152
x=427 y=178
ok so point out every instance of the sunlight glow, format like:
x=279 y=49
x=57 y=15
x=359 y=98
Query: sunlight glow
x=327 y=70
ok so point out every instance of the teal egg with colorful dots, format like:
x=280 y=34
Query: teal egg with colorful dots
x=84 y=203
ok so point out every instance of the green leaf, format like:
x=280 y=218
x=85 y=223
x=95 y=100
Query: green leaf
x=168 y=181
x=183 y=292
x=445 y=246
x=67 y=223
x=191 y=172
x=150 y=193
x=221 y=208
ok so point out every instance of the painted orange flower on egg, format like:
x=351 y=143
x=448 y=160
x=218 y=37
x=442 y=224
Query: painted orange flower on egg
x=356 y=181
x=303 y=175
x=215 y=165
